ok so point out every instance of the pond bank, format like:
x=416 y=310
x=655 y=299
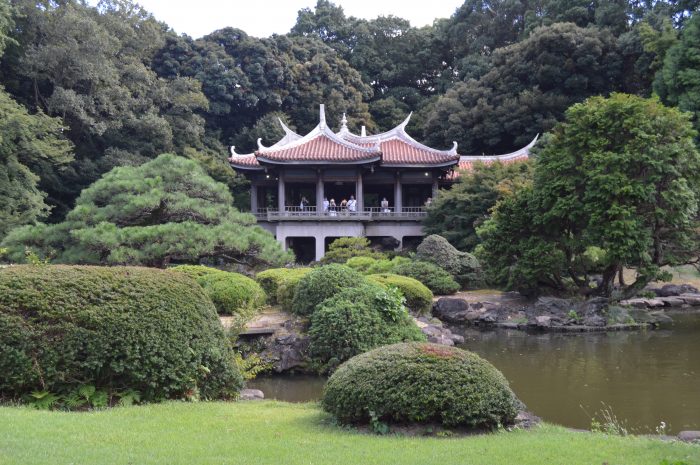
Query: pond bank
x=644 y=378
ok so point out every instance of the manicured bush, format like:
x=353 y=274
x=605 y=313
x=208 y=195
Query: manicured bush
x=464 y=267
x=322 y=283
x=368 y=265
x=356 y=320
x=117 y=328
x=439 y=281
x=420 y=383
x=344 y=248
x=419 y=299
x=271 y=279
x=232 y=293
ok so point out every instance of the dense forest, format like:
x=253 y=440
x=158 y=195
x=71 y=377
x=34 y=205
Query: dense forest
x=86 y=89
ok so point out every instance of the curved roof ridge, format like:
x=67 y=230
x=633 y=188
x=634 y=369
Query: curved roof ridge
x=319 y=130
x=506 y=156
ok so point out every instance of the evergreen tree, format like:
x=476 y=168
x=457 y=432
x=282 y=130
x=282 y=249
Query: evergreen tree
x=166 y=210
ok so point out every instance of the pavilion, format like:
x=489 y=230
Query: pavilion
x=299 y=183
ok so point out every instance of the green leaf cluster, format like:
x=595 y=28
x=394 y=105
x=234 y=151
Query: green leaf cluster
x=151 y=331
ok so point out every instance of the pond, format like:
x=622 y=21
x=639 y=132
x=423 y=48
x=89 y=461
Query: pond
x=643 y=378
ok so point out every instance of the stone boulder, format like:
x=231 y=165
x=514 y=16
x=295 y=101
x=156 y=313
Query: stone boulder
x=252 y=394
x=453 y=310
x=689 y=436
x=672 y=290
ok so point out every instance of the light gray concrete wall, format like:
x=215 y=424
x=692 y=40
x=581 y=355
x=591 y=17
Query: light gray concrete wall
x=320 y=230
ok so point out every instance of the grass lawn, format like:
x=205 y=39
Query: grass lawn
x=281 y=433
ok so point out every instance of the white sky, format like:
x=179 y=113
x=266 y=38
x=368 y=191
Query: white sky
x=262 y=18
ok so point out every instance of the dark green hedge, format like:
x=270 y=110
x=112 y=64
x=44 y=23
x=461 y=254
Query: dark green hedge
x=356 y=320
x=420 y=383
x=271 y=280
x=439 y=281
x=148 y=330
x=232 y=293
x=419 y=299
x=322 y=283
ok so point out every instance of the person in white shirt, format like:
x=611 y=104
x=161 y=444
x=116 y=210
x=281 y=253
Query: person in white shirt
x=325 y=204
x=352 y=204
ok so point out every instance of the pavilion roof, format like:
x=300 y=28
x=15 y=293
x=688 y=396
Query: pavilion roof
x=393 y=148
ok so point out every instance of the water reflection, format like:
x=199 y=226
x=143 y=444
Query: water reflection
x=644 y=377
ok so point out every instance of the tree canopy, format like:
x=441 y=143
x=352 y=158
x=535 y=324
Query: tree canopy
x=164 y=211
x=617 y=186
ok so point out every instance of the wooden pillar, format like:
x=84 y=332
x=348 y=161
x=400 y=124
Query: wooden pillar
x=280 y=193
x=360 y=192
x=319 y=192
x=435 y=187
x=398 y=193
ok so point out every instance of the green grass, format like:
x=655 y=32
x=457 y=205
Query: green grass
x=276 y=433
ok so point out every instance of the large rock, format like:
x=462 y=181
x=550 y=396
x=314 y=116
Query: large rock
x=553 y=305
x=597 y=321
x=672 y=301
x=453 y=310
x=671 y=290
x=689 y=436
x=690 y=299
x=252 y=394
x=287 y=352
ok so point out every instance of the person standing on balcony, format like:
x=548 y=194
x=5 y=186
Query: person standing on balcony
x=331 y=207
x=385 y=205
x=344 y=206
x=352 y=204
x=303 y=204
x=429 y=202
x=325 y=205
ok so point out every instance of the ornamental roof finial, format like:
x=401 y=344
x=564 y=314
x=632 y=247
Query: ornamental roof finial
x=344 y=124
x=322 y=116
x=364 y=132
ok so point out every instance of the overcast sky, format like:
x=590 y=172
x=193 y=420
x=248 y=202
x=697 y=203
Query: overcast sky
x=262 y=18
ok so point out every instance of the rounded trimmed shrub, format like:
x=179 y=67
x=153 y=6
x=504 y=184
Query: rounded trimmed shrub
x=232 y=293
x=420 y=383
x=464 y=267
x=286 y=290
x=270 y=280
x=356 y=320
x=322 y=283
x=419 y=299
x=368 y=265
x=115 y=328
x=439 y=281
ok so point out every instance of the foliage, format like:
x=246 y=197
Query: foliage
x=345 y=248
x=287 y=290
x=679 y=80
x=463 y=266
x=165 y=210
x=369 y=265
x=251 y=365
x=29 y=145
x=455 y=213
x=418 y=297
x=271 y=280
x=356 y=320
x=231 y=293
x=322 y=283
x=421 y=383
x=621 y=174
x=59 y=327
x=526 y=89
x=439 y=281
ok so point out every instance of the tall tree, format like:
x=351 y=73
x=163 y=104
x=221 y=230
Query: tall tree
x=679 y=80
x=621 y=178
x=527 y=90
x=456 y=213
x=165 y=210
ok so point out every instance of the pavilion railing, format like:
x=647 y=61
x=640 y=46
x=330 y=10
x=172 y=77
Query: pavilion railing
x=340 y=213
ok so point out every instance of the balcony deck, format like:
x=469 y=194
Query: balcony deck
x=295 y=213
